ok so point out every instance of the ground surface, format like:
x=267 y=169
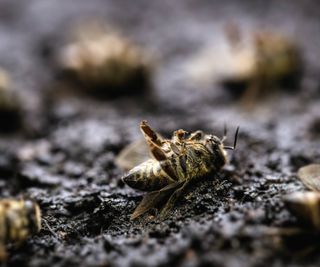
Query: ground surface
x=71 y=141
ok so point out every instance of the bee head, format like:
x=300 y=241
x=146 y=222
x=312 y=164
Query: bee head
x=33 y=214
x=217 y=153
x=215 y=145
x=213 y=141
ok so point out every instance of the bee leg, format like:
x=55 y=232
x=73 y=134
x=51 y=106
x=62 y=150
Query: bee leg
x=172 y=201
x=168 y=169
x=149 y=134
x=179 y=135
x=158 y=153
x=174 y=148
x=198 y=135
x=154 y=142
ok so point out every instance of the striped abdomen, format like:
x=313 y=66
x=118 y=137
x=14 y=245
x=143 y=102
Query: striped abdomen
x=148 y=176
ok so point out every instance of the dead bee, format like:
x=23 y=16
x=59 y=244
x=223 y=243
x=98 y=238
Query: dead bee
x=275 y=61
x=18 y=220
x=254 y=67
x=175 y=163
x=306 y=205
x=278 y=62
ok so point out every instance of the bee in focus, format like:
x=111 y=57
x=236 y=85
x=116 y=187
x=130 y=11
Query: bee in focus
x=175 y=164
x=18 y=220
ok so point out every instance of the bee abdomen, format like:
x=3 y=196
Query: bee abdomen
x=148 y=176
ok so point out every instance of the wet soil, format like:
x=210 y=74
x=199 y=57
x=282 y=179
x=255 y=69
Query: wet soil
x=64 y=154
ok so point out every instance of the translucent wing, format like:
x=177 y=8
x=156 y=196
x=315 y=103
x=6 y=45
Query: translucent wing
x=133 y=154
x=154 y=199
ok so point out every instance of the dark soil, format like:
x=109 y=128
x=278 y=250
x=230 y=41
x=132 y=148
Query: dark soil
x=64 y=154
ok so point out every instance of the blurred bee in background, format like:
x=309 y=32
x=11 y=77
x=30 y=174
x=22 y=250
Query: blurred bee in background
x=10 y=104
x=18 y=220
x=254 y=64
x=305 y=205
x=104 y=62
x=175 y=164
x=277 y=64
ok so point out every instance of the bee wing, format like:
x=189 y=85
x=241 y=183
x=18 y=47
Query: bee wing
x=310 y=176
x=153 y=199
x=133 y=154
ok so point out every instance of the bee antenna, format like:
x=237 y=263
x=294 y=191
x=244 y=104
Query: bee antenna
x=224 y=137
x=235 y=141
x=236 y=138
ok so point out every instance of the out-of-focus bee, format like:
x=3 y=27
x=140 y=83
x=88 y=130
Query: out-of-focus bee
x=176 y=162
x=18 y=220
x=277 y=63
x=104 y=62
x=10 y=105
x=306 y=205
x=253 y=66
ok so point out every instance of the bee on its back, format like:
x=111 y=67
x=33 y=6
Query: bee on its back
x=174 y=164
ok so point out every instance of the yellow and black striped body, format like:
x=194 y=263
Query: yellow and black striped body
x=147 y=176
x=194 y=161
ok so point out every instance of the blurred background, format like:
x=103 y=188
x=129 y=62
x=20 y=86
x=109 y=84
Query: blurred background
x=176 y=37
x=77 y=77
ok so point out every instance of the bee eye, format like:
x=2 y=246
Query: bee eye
x=198 y=153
